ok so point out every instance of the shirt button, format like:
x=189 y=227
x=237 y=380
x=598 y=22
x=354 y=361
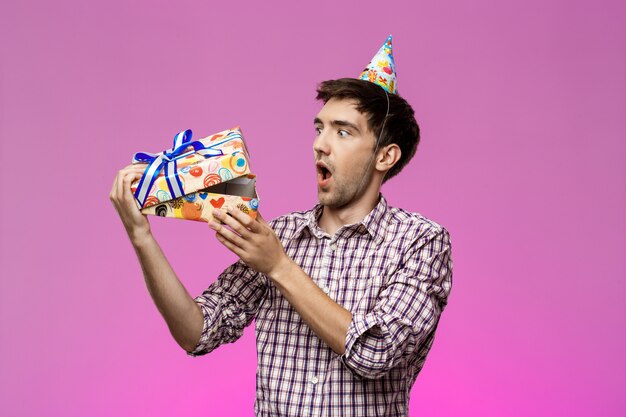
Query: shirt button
x=333 y=246
x=314 y=380
x=326 y=290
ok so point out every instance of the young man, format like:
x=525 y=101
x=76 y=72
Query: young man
x=346 y=295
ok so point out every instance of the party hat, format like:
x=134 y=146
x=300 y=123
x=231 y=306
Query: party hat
x=382 y=70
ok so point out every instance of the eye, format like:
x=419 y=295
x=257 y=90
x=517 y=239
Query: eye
x=318 y=130
x=343 y=133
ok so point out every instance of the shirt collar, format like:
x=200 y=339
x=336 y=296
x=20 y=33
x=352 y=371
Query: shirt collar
x=374 y=223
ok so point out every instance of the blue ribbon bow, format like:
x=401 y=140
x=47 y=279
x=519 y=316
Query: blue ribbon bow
x=167 y=160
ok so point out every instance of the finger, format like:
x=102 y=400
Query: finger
x=137 y=170
x=134 y=168
x=229 y=245
x=113 y=192
x=119 y=192
x=119 y=184
x=248 y=222
x=137 y=166
x=129 y=178
x=227 y=234
x=233 y=222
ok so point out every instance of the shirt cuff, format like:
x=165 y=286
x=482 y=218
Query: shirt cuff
x=207 y=306
x=358 y=326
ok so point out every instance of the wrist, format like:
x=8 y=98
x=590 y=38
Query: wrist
x=140 y=239
x=280 y=269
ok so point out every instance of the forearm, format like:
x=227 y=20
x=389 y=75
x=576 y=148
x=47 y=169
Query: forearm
x=329 y=320
x=183 y=317
x=181 y=313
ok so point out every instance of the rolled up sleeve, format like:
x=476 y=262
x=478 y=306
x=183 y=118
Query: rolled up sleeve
x=406 y=311
x=229 y=305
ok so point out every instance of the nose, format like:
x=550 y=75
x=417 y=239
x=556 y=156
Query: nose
x=321 y=145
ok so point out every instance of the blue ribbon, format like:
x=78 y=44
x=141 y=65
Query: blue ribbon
x=166 y=160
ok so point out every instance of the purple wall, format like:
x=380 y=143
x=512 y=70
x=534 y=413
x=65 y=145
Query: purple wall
x=522 y=108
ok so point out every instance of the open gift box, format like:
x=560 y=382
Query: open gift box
x=192 y=179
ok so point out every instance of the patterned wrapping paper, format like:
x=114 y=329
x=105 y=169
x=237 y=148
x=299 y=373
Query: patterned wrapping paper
x=381 y=69
x=207 y=182
x=239 y=192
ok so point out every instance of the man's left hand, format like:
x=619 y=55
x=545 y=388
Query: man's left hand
x=253 y=240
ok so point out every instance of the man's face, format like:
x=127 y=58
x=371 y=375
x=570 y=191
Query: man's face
x=343 y=149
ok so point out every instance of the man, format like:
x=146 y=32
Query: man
x=346 y=295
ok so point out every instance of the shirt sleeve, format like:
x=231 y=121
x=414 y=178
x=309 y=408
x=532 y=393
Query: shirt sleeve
x=229 y=305
x=406 y=312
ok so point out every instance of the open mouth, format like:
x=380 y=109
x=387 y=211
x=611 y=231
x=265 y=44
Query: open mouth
x=323 y=173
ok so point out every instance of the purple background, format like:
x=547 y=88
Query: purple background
x=522 y=108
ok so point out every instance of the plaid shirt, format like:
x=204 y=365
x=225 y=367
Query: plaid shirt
x=392 y=271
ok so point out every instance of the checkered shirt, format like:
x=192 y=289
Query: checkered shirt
x=392 y=271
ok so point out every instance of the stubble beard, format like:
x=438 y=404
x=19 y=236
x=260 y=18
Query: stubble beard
x=346 y=190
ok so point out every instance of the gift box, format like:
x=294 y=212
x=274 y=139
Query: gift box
x=193 y=178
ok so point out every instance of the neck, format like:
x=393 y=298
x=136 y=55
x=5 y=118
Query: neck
x=333 y=218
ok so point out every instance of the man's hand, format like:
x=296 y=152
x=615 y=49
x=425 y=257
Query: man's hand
x=136 y=224
x=252 y=240
x=257 y=245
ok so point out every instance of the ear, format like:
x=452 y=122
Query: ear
x=387 y=157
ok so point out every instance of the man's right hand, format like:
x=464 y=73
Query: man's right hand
x=136 y=223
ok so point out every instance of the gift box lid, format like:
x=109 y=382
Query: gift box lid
x=190 y=166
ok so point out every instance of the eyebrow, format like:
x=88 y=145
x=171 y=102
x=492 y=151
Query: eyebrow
x=345 y=123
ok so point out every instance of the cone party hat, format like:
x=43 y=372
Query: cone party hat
x=382 y=69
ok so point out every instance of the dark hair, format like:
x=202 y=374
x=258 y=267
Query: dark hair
x=400 y=127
